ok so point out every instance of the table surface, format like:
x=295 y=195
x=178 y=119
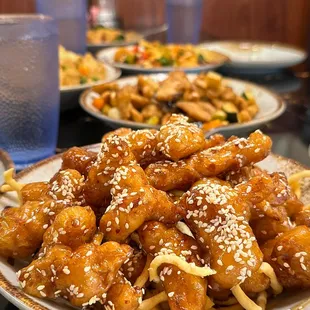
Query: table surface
x=290 y=132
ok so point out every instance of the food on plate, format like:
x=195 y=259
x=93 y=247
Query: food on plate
x=155 y=54
x=207 y=99
x=101 y=34
x=162 y=219
x=77 y=69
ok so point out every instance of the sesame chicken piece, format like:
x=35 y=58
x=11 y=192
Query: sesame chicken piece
x=72 y=227
x=218 y=216
x=142 y=143
x=232 y=155
x=133 y=268
x=179 y=139
x=122 y=295
x=184 y=291
x=134 y=201
x=83 y=276
x=114 y=152
x=289 y=255
x=79 y=159
x=22 y=228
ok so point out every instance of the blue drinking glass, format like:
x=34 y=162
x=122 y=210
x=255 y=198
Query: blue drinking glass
x=29 y=88
x=184 y=20
x=71 y=16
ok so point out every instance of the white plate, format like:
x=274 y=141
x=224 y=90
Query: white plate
x=44 y=170
x=270 y=105
x=107 y=55
x=69 y=94
x=257 y=57
x=5 y=163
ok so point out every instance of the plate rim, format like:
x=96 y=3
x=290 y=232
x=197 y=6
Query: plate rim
x=20 y=298
x=117 y=72
x=232 y=62
x=281 y=107
x=136 y=68
x=6 y=159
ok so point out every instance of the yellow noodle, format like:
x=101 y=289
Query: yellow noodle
x=142 y=279
x=152 y=302
x=262 y=300
x=244 y=300
x=269 y=272
x=209 y=303
x=180 y=263
x=294 y=181
x=11 y=184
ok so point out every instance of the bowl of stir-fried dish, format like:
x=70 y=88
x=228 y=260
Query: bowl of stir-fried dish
x=162 y=219
x=101 y=37
x=78 y=72
x=152 y=57
x=82 y=71
x=217 y=103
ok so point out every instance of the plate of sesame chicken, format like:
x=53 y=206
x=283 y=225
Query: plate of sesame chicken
x=158 y=219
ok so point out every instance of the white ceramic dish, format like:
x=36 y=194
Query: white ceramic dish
x=5 y=163
x=44 y=170
x=270 y=105
x=107 y=55
x=257 y=57
x=69 y=94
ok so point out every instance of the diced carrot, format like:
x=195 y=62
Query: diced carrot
x=83 y=70
x=213 y=124
x=98 y=103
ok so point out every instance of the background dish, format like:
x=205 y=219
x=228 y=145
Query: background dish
x=257 y=57
x=69 y=94
x=47 y=168
x=271 y=106
x=107 y=55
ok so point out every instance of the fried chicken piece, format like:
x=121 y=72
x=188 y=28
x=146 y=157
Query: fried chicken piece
x=83 y=276
x=22 y=228
x=214 y=140
x=194 y=111
x=185 y=291
x=288 y=254
x=178 y=139
x=34 y=191
x=173 y=87
x=78 y=159
x=133 y=268
x=146 y=86
x=118 y=132
x=143 y=144
x=69 y=182
x=122 y=295
x=139 y=101
x=303 y=217
x=114 y=153
x=232 y=155
x=72 y=227
x=134 y=201
x=266 y=228
x=218 y=216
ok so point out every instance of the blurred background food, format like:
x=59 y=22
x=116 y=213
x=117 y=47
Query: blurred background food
x=75 y=69
x=205 y=98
